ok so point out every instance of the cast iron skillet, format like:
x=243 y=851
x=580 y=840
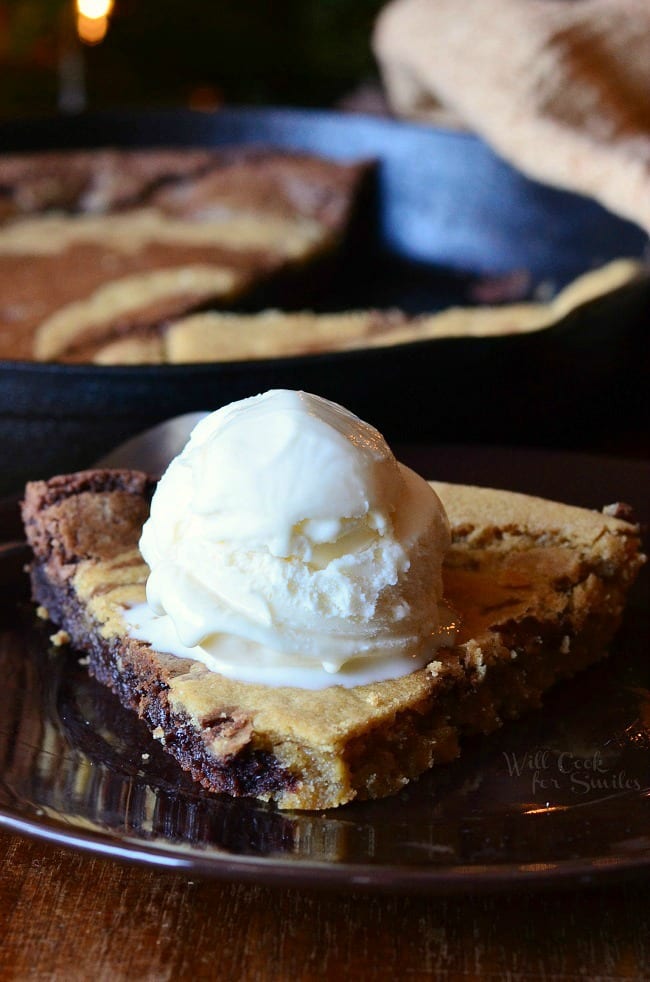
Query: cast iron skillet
x=444 y=209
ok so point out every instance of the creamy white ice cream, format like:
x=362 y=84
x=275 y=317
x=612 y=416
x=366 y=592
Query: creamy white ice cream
x=287 y=546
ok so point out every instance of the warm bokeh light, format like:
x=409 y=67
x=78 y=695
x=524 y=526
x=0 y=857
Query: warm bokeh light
x=91 y=30
x=94 y=9
x=205 y=97
x=92 y=19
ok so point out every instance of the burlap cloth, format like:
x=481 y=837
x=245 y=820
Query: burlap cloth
x=561 y=88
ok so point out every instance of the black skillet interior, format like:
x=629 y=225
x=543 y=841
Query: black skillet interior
x=443 y=212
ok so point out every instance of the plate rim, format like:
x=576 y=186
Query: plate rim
x=284 y=871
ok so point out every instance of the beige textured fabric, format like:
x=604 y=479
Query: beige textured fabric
x=561 y=88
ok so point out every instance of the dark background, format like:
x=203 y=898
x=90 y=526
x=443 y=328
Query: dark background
x=200 y=53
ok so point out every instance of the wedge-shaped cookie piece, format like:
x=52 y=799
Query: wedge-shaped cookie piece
x=539 y=588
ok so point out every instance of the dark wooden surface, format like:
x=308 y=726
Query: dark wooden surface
x=65 y=915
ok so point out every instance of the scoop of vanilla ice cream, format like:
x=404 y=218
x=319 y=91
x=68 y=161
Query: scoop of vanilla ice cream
x=286 y=534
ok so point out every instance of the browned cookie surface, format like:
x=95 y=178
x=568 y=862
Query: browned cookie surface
x=99 y=244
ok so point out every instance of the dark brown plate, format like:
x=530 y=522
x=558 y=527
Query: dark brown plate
x=562 y=796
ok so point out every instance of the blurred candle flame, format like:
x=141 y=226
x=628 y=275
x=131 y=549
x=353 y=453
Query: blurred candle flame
x=92 y=19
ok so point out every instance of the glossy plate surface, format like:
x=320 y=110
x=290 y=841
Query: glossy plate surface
x=561 y=796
